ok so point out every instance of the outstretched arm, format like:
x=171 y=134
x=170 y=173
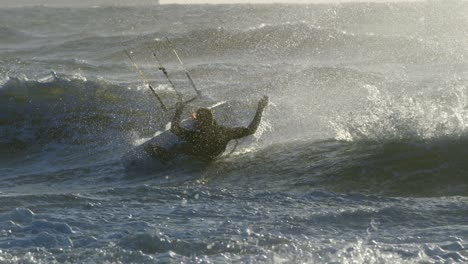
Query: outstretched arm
x=239 y=132
x=175 y=124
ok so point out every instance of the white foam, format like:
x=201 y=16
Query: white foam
x=4 y=80
x=48 y=78
x=388 y=117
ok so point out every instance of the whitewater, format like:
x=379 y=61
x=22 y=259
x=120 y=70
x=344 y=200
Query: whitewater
x=361 y=156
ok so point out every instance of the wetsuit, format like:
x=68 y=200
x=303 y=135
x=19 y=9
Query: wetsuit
x=210 y=141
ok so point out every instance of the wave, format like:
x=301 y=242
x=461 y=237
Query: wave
x=299 y=39
x=402 y=168
x=72 y=110
x=65 y=109
x=397 y=145
x=386 y=117
x=282 y=37
x=405 y=168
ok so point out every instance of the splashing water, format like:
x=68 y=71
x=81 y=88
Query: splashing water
x=388 y=117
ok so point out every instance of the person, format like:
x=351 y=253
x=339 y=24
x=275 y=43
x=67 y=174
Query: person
x=209 y=140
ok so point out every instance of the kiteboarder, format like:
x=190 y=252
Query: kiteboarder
x=209 y=140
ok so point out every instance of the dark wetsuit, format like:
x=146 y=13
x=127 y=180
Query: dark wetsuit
x=211 y=141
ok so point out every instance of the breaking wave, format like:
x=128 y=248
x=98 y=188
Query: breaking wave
x=425 y=117
x=70 y=110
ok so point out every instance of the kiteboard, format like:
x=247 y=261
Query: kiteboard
x=158 y=152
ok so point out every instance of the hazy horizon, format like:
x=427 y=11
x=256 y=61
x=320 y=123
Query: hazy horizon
x=91 y=3
x=272 y=1
x=81 y=3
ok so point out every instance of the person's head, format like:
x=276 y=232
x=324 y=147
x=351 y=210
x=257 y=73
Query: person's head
x=204 y=117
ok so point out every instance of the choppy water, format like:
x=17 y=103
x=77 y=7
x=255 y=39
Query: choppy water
x=360 y=158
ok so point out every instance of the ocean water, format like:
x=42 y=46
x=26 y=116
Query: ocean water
x=361 y=156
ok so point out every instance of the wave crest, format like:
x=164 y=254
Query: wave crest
x=394 y=118
x=69 y=110
x=298 y=39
